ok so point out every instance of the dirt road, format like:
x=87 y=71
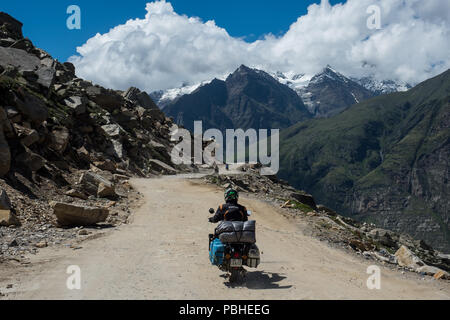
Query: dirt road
x=163 y=254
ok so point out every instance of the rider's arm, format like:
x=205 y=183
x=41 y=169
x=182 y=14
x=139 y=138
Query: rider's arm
x=245 y=214
x=218 y=216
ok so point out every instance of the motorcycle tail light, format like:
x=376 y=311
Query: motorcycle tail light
x=236 y=255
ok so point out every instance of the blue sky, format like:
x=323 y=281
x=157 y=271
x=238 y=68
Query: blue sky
x=163 y=47
x=45 y=21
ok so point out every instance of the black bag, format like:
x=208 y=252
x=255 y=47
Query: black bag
x=237 y=231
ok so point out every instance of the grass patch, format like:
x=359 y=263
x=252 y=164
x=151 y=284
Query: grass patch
x=297 y=205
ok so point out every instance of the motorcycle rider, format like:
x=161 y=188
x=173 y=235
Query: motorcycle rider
x=230 y=210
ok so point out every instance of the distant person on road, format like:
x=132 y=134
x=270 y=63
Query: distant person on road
x=230 y=210
x=227 y=166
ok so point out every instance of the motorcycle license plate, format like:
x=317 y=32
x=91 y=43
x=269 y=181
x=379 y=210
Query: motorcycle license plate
x=236 y=263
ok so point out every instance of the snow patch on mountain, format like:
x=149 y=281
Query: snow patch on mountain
x=382 y=86
x=292 y=79
x=163 y=97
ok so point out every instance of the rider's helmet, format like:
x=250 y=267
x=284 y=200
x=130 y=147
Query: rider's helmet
x=231 y=194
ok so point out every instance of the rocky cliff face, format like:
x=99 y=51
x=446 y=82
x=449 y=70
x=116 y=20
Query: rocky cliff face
x=63 y=138
x=49 y=115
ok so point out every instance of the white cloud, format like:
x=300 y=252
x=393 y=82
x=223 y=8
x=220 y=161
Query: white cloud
x=165 y=49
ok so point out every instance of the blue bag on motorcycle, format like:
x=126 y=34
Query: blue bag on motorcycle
x=216 y=252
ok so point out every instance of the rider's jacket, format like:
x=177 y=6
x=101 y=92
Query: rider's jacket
x=230 y=211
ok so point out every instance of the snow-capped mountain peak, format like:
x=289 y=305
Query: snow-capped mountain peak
x=324 y=94
x=292 y=79
x=329 y=73
x=163 y=97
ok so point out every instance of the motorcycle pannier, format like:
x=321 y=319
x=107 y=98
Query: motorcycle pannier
x=253 y=257
x=237 y=231
x=216 y=252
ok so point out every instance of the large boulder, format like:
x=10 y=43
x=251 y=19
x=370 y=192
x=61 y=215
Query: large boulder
x=112 y=130
x=30 y=160
x=140 y=98
x=13 y=114
x=423 y=245
x=154 y=114
x=95 y=184
x=5 y=203
x=77 y=215
x=384 y=237
x=5 y=154
x=131 y=94
x=29 y=63
x=10 y=27
x=106 y=165
x=69 y=67
x=32 y=107
x=7 y=218
x=107 y=99
x=406 y=258
x=162 y=167
x=327 y=210
x=23 y=44
x=3 y=115
x=5 y=124
x=26 y=135
x=304 y=198
x=20 y=59
x=76 y=194
x=106 y=190
x=115 y=149
x=59 y=139
x=76 y=104
x=46 y=75
x=431 y=271
x=83 y=154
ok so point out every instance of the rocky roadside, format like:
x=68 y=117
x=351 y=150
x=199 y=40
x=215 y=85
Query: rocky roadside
x=68 y=148
x=397 y=251
x=36 y=226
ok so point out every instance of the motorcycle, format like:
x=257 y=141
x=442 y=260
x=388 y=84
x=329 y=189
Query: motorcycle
x=232 y=247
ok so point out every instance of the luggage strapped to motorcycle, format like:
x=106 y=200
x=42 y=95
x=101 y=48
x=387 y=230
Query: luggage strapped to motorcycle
x=235 y=232
x=224 y=232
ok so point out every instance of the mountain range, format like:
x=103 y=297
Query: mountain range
x=384 y=160
x=324 y=94
x=377 y=157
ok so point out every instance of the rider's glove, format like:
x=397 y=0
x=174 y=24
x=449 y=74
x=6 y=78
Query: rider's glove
x=211 y=219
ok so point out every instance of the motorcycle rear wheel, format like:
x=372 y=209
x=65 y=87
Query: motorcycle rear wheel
x=237 y=275
x=234 y=275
